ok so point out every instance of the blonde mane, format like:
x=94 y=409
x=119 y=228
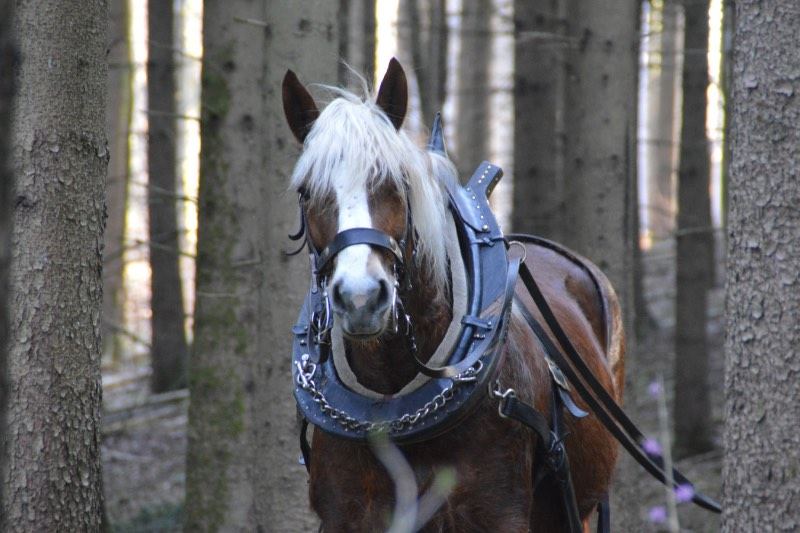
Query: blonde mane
x=353 y=137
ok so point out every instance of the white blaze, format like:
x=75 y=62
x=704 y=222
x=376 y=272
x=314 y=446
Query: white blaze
x=355 y=265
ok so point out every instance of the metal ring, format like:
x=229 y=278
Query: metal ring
x=522 y=246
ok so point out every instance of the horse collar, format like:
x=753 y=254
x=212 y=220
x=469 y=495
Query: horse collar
x=443 y=401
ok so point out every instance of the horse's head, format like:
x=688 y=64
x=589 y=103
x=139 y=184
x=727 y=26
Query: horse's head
x=359 y=170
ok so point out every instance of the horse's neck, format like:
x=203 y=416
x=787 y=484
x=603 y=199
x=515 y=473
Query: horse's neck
x=385 y=365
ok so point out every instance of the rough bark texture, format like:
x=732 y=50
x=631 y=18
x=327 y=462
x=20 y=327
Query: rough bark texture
x=242 y=471
x=118 y=119
x=472 y=117
x=762 y=376
x=169 y=351
x=662 y=133
x=53 y=479
x=600 y=118
x=8 y=62
x=694 y=245
x=539 y=78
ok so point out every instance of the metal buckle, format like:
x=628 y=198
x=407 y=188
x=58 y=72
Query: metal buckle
x=496 y=391
x=522 y=247
x=558 y=375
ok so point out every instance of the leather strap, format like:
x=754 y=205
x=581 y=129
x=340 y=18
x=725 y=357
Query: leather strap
x=604 y=406
x=555 y=453
x=488 y=342
x=353 y=236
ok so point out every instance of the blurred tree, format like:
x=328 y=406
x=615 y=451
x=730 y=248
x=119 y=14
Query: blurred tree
x=428 y=43
x=694 y=244
x=169 y=351
x=242 y=471
x=53 y=477
x=762 y=445
x=8 y=63
x=473 y=90
x=357 y=39
x=118 y=120
x=600 y=165
x=662 y=139
x=539 y=78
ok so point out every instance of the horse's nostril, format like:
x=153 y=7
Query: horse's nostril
x=338 y=299
x=383 y=294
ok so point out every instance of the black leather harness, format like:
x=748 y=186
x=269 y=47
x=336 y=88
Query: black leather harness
x=472 y=367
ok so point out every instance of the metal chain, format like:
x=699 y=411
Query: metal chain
x=305 y=380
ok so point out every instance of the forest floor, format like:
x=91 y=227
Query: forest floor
x=144 y=436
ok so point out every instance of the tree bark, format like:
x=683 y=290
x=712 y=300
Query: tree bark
x=53 y=478
x=242 y=471
x=600 y=165
x=472 y=117
x=118 y=119
x=694 y=245
x=762 y=445
x=539 y=85
x=8 y=62
x=169 y=351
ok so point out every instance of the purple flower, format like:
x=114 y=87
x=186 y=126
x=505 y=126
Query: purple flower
x=684 y=493
x=657 y=514
x=654 y=389
x=652 y=447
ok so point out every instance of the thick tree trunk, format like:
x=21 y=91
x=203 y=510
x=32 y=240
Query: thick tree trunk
x=8 y=62
x=53 y=478
x=118 y=119
x=663 y=134
x=169 y=351
x=694 y=245
x=762 y=444
x=242 y=471
x=600 y=148
x=539 y=68
x=472 y=117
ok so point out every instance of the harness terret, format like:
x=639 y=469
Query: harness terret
x=455 y=389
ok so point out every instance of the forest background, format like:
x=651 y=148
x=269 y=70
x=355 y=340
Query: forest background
x=656 y=138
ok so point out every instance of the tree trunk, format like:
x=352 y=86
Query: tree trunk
x=53 y=479
x=357 y=42
x=242 y=471
x=600 y=165
x=428 y=42
x=169 y=351
x=8 y=62
x=472 y=117
x=663 y=133
x=539 y=67
x=694 y=245
x=118 y=119
x=762 y=445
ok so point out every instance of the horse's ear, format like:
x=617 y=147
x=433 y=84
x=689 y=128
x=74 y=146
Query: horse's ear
x=393 y=94
x=298 y=106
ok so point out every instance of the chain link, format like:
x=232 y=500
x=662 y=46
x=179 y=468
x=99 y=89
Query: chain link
x=305 y=380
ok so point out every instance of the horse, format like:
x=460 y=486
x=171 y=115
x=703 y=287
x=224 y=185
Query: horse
x=359 y=169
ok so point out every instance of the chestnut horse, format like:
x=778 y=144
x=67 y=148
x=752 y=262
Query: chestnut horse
x=359 y=169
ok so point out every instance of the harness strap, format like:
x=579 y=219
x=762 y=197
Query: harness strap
x=305 y=449
x=604 y=406
x=353 y=236
x=496 y=334
x=555 y=453
x=604 y=516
